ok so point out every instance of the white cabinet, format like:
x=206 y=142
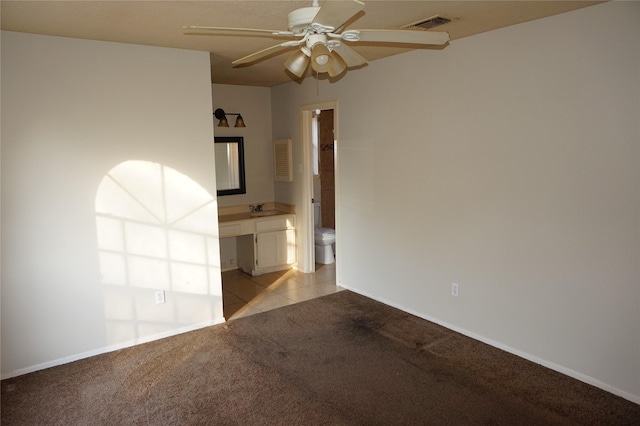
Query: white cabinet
x=275 y=248
x=269 y=246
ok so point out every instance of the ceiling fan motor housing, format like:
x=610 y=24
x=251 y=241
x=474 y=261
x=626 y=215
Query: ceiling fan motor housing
x=300 y=19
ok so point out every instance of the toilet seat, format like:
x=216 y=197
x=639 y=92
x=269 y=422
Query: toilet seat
x=325 y=235
x=325 y=231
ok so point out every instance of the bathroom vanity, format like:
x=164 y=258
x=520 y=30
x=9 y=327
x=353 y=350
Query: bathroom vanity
x=265 y=240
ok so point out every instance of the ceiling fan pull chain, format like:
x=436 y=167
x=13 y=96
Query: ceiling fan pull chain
x=317 y=111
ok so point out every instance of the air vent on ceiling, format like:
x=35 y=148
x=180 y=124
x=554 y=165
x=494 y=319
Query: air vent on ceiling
x=429 y=23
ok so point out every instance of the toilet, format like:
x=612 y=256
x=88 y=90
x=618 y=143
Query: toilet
x=324 y=237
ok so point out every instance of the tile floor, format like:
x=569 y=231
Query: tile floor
x=244 y=295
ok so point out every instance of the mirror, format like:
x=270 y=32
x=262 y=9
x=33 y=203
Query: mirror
x=229 y=155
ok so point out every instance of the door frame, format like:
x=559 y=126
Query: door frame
x=308 y=252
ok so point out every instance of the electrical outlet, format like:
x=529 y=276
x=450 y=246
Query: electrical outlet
x=160 y=297
x=454 y=289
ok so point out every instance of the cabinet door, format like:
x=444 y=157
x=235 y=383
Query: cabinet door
x=275 y=248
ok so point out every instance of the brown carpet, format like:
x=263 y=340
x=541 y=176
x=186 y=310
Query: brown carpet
x=341 y=359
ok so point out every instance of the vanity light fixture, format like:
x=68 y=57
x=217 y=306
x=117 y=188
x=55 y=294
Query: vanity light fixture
x=222 y=116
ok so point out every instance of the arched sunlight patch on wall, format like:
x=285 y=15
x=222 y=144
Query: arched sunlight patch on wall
x=156 y=231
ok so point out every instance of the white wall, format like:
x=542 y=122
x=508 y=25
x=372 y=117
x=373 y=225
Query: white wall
x=254 y=103
x=509 y=163
x=83 y=257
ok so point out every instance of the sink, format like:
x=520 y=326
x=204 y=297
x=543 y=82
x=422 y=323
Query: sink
x=264 y=213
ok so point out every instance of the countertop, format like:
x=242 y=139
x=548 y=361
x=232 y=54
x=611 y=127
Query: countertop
x=245 y=216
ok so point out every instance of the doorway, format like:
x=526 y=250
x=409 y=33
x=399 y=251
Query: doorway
x=323 y=167
x=320 y=138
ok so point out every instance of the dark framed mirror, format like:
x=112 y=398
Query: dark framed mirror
x=229 y=156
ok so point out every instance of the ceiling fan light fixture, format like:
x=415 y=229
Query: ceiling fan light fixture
x=297 y=63
x=339 y=65
x=321 y=59
x=319 y=33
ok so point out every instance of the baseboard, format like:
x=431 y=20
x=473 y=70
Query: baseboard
x=100 y=351
x=545 y=363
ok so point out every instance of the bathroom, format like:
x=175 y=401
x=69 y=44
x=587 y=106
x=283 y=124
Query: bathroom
x=254 y=103
x=324 y=186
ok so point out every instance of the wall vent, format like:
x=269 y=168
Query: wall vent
x=282 y=161
x=429 y=23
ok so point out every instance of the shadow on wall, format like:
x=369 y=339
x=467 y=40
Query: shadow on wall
x=156 y=233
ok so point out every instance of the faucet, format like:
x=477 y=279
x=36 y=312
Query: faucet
x=256 y=208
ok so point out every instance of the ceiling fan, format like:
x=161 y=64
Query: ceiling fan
x=317 y=32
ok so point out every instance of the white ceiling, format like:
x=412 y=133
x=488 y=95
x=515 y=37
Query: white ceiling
x=160 y=22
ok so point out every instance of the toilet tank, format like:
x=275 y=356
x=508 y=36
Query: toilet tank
x=317 y=214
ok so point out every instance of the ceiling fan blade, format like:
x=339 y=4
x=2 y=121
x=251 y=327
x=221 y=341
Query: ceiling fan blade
x=397 y=36
x=334 y=13
x=227 y=30
x=350 y=56
x=263 y=53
